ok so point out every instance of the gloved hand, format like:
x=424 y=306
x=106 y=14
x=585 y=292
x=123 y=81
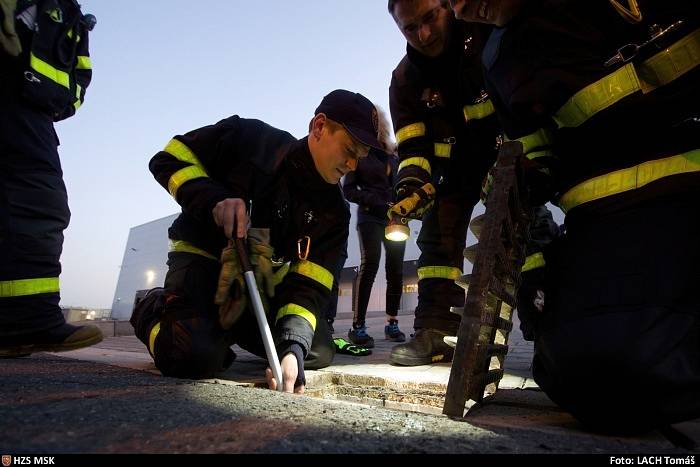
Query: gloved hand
x=261 y=253
x=535 y=177
x=414 y=202
x=530 y=300
x=9 y=41
x=379 y=210
x=231 y=293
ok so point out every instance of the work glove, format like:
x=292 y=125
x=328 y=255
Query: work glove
x=378 y=210
x=261 y=253
x=231 y=293
x=414 y=202
x=535 y=176
x=9 y=41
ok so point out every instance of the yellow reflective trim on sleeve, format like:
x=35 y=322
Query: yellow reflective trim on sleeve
x=630 y=179
x=539 y=139
x=478 y=111
x=78 y=101
x=184 y=175
x=313 y=271
x=297 y=310
x=533 y=262
x=152 y=338
x=438 y=272
x=657 y=71
x=443 y=150
x=84 y=63
x=410 y=131
x=59 y=77
x=181 y=246
x=421 y=162
x=181 y=152
x=22 y=287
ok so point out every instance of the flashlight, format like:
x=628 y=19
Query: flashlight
x=397 y=230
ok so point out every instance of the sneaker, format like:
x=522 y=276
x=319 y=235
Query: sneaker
x=60 y=339
x=359 y=336
x=393 y=333
x=426 y=347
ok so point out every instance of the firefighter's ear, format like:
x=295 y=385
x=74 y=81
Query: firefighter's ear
x=316 y=125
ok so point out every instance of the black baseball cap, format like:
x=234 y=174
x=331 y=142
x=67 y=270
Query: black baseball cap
x=355 y=113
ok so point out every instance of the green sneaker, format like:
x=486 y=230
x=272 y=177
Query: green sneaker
x=346 y=348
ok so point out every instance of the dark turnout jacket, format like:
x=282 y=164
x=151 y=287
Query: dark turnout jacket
x=275 y=175
x=370 y=186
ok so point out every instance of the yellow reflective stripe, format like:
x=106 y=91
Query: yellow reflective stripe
x=630 y=179
x=78 y=102
x=533 y=262
x=536 y=154
x=181 y=152
x=421 y=162
x=438 y=272
x=84 y=63
x=670 y=63
x=657 y=71
x=410 y=131
x=152 y=338
x=540 y=138
x=55 y=75
x=297 y=310
x=315 y=272
x=478 y=111
x=182 y=246
x=280 y=274
x=184 y=175
x=443 y=150
x=22 y=287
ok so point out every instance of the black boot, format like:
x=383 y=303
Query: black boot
x=425 y=348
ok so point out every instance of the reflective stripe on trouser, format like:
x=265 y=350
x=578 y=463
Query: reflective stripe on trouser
x=33 y=214
x=441 y=240
x=622 y=310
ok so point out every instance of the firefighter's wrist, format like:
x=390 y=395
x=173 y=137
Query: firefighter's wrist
x=295 y=348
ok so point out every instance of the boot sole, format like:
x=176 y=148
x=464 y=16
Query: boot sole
x=24 y=350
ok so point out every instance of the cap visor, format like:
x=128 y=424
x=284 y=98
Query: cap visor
x=364 y=137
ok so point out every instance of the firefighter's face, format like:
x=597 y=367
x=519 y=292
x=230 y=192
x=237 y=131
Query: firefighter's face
x=425 y=24
x=336 y=152
x=496 y=12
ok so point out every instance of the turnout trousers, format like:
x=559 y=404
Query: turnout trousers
x=33 y=214
x=180 y=324
x=618 y=343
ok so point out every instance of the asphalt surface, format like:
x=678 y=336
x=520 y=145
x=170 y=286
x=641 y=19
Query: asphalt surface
x=52 y=404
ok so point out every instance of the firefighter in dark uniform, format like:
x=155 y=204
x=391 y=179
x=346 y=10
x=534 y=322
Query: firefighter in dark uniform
x=447 y=136
x=604 y=97
x=290 y=186
x=44 y=72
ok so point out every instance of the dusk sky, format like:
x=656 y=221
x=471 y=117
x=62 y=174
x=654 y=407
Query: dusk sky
x=166 y=67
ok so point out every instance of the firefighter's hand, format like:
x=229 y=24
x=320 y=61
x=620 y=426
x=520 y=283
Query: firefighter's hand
x=228 y=212
x=414 y=202
x=290 y=373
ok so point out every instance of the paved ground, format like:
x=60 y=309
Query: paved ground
x=110 y=399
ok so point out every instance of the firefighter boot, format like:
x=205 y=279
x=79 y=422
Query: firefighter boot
x=59 y=339
x=426 y=347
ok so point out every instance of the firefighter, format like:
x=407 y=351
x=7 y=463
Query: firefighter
x=604 y=97
x=447 y=135
x=371 y=188
x=298 y=214
x=44 y=72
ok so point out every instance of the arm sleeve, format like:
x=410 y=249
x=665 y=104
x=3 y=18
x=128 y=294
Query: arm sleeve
x=210 y=164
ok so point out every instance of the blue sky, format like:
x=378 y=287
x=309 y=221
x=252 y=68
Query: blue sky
x=165 y=67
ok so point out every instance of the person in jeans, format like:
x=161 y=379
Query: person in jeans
x=371 y=188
